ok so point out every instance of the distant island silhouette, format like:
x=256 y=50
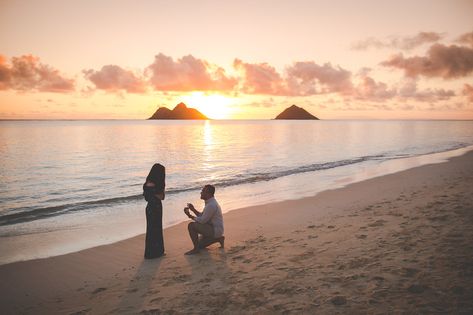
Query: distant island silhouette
x=181 y=111
x=295 y=112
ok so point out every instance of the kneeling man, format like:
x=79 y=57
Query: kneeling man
x=208 y=223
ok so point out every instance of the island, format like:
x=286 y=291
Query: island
x=181 y=111
x=295 y=112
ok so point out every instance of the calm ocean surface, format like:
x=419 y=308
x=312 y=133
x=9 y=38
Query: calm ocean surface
x=69 y=185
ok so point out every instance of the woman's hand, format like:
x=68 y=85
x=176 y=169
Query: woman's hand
x=160 y=195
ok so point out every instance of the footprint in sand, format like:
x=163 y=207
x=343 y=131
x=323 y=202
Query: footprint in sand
x=362 y=236
x=264 y=264
x=458 y=290
x=238 y=257
x=416 y=288
x=236 y=249
x=181 y=278
x=82 y=312
x=156 y=300
x=377 y=223
x=378 y=278
x=410 y=272
x=152 y=311
x=98 y=290
x=338 y=300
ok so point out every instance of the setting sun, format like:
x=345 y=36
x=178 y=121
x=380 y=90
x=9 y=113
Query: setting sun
x=215 y=106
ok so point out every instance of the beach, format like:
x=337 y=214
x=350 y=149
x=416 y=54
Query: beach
x=400 y=243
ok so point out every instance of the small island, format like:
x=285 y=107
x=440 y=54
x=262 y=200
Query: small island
x=181 y=111
x=295 y=112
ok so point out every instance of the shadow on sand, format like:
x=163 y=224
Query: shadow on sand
x=133 y=298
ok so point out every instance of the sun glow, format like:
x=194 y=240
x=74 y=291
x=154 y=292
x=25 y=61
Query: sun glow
x=215 y=106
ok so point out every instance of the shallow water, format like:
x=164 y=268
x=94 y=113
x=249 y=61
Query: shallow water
x=83 y=178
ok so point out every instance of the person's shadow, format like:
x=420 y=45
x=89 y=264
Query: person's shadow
x=138 y=287
x=210 y=265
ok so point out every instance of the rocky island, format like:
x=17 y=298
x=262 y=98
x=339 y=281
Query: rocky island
x=295 y=112
x=181 y=111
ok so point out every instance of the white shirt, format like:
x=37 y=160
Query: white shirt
x=212 y=214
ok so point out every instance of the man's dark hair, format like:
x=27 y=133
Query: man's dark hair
x=210 y=189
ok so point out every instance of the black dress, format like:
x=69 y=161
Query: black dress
x=154 y=246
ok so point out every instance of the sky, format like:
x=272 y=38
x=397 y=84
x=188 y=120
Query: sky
x=114 y=59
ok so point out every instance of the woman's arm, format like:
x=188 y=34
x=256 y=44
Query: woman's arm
x=160 y=195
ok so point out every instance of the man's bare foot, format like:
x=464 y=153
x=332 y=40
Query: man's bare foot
x=192 y=251
x=221 y=240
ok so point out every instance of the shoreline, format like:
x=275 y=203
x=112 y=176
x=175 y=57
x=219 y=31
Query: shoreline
x=357 y=252
x=57 y=242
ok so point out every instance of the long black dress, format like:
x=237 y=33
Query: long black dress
x=154 y=246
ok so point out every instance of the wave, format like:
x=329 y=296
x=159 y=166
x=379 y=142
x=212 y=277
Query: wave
x=31 y=214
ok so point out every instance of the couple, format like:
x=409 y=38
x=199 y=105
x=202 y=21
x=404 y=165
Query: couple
x=208 y=223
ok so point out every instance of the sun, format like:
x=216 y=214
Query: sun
x=214 y=106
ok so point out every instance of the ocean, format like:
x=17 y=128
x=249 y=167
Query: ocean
x=71 y=185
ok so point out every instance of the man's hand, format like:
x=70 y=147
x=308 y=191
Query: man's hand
x=191 y=206
x=186 y=211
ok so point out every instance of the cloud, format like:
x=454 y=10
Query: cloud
x=187 y=74
x=404 y=43
x=441 y=61
x=409 y=91
x=468 y=92
x=372 y=90
x=466 y=38
x=26 y=73
x=113 y=78
x=5 y=76
x=300 y=79
x=260 y=78
x=308 y=78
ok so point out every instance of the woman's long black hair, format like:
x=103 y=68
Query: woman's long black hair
x=157 y=175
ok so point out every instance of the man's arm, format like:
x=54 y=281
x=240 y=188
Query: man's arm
x=207 y=214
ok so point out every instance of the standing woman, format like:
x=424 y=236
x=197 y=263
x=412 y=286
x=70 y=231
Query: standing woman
x=153 y=191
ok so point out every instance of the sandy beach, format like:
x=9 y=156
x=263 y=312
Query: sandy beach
x=401 y=243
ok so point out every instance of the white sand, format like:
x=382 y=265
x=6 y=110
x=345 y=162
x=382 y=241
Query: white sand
x=401 y=243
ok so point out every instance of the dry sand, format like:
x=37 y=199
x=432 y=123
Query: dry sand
x=401 y=243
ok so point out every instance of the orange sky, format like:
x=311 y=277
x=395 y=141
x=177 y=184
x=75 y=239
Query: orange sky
x=245 y=59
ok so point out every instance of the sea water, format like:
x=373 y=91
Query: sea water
x=70 y=185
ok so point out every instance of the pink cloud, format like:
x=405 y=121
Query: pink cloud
x=405 y=43
x=260 y=78
x=300 y=79
x=468 y=92
x=26 y=73
x=441 y=61
x=114 y=78
x=372 y=90
x=409 y=91
x=5 y=76
x=308 y=78
x=187 y=74
x=466 y=38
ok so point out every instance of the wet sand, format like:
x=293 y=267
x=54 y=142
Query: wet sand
x=401 y=243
